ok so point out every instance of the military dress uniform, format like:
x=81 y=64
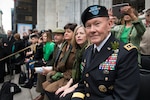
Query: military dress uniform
x=110 y=74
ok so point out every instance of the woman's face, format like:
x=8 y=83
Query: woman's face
x=68 y=34
x=127 y=18
x=80 y=36
x=44 y=37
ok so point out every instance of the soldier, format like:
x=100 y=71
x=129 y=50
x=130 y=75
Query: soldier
x=110 y=67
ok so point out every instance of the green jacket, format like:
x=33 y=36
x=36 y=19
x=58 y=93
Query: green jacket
x=48 y=49
x=135 y=35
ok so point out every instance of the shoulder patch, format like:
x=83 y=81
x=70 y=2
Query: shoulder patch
x=129 y=46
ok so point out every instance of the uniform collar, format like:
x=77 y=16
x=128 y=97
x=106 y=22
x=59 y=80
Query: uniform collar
x=102 y=44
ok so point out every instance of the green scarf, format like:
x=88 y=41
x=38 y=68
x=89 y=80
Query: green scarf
x=76 y=71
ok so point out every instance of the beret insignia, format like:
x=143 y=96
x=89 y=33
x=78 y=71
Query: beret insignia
x=94 y=10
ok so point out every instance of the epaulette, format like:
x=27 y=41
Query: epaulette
x=129 y=46
x=78 y=95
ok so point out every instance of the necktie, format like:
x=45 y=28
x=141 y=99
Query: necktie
x=95 y=52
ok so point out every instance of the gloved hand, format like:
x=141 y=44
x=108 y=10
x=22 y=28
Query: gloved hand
x=57 y=76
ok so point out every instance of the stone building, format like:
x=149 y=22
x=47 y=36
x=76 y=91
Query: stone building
x=53 y=14
x=1 y=25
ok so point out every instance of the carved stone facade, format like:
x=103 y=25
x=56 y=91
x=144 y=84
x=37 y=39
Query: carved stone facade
x=53 y=14
x=1 y=25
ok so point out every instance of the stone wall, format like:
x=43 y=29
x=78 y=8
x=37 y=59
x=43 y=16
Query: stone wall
x=53 y=14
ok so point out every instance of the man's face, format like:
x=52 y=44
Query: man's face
x=97 y=29
x=34 y=40
x=8 y=33
x=58 y=38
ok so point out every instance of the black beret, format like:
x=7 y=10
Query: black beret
x=93 y=12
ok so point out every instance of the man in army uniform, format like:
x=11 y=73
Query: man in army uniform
x=110 y=67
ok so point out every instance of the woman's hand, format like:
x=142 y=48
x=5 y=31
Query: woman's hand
x=61 y=89
x=130 y=11
x=64 y=87
x=67 y=91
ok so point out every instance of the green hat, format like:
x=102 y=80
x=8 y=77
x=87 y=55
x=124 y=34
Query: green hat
x=93 y=12
x=59 y=31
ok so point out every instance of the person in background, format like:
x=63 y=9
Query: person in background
x=132 y=29
x=114 y=20
x=2 y=64
x=25 y=39
x=58 y=39
x=30 y=55
x=81 y=42
x=48 y=49
x=8 y=43
x=111 y=69
x=62 y=68
x=145 y=43
x=18 y=59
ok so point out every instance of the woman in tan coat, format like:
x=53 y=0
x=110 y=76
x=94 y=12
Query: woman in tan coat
x=62 y=69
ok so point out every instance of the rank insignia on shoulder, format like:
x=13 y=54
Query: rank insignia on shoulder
x=129 y=46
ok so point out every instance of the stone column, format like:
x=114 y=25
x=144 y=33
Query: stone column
x=106 y=3
x=50 y=14
x=147 y=3
x=40 y=14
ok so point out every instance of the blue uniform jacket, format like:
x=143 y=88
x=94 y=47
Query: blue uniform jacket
x=109 y=75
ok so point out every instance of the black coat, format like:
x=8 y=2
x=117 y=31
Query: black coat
x=2 y=64
x=9 y=42
x=117 y=81
x=18 y=45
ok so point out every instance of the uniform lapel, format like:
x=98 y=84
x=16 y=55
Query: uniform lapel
x=101 y=56
x=89 y=57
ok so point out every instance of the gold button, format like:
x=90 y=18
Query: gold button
x=87 y=94
x=87 y=75
x=102 y=88
x=106 y=78
x=87 y=85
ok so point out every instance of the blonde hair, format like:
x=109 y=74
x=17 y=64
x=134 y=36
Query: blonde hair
x=73 y=41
